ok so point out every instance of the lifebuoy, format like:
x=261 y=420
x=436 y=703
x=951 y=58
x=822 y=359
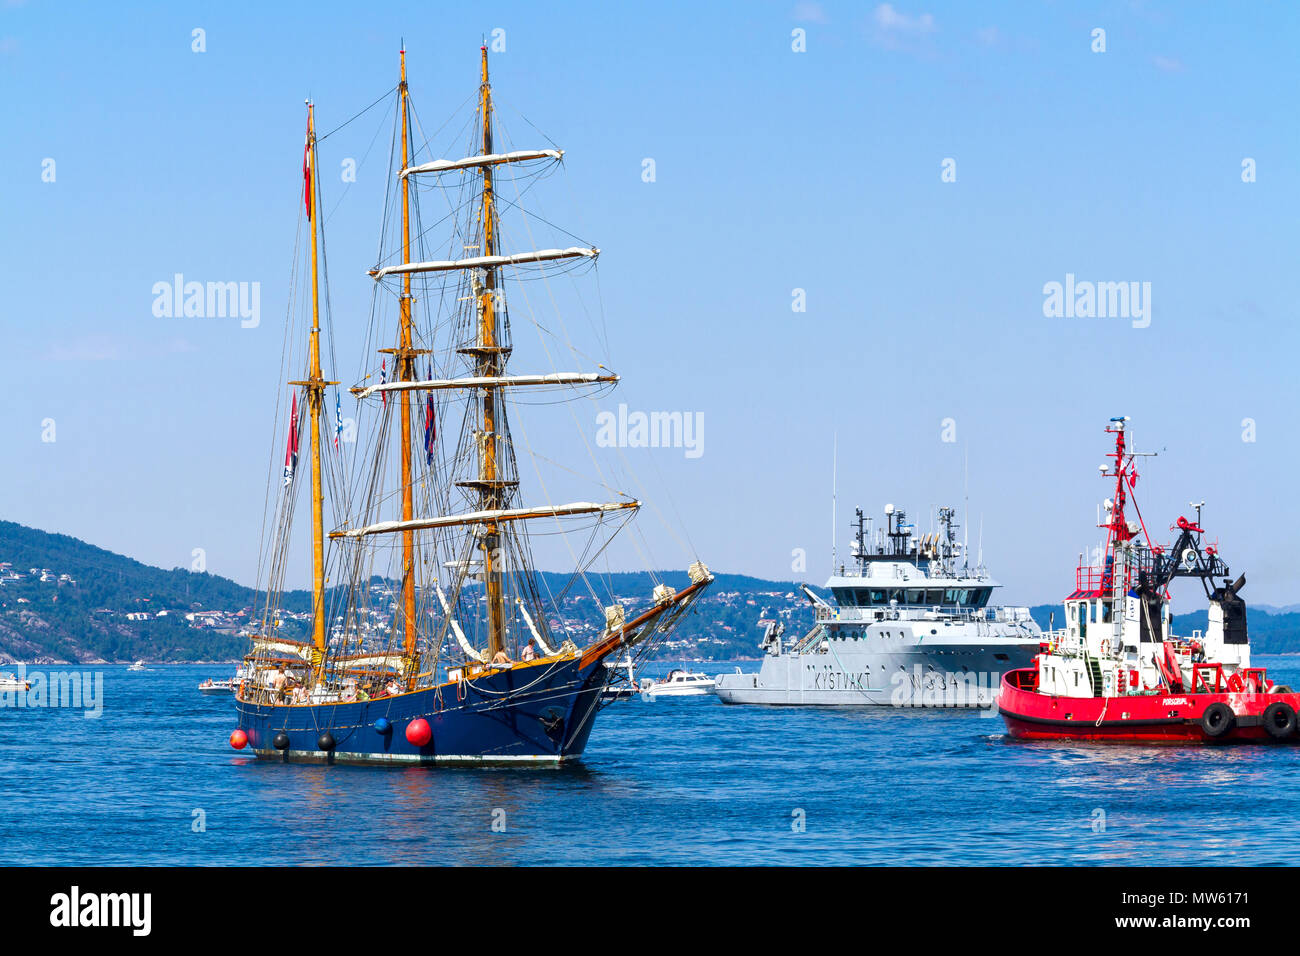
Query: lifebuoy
x=1279 y=719
x=1217 y=719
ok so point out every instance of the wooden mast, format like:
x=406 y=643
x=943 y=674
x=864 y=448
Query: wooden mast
x=489 y=484
x=406 y=372
x=315 y=386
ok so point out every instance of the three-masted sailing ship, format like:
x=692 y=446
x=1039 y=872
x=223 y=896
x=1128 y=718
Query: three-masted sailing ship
x=475 y=663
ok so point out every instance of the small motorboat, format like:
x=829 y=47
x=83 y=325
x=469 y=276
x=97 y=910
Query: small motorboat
x=137 y=666
x=679 y=683
x=11 y=683
x=211 y=688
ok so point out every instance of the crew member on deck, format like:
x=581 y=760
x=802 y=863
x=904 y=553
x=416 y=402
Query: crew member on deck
x=501 y=658
x=530 y=652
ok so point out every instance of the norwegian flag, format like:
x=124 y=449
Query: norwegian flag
x=430 y=425
x=291 y=452
x=306 y=173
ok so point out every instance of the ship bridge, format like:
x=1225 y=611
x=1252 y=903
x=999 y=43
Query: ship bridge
x=899 y=568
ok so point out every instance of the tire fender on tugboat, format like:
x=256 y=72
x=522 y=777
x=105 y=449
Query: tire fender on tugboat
x=1218 y=719
x=1279 y=720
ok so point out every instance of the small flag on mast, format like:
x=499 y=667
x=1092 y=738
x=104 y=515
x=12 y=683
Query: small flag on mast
x=338 y=420
x=291 y=452
x=430 y=425
x=383 y=379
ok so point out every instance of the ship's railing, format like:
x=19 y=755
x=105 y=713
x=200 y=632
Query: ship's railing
x=1092 y=578
x=934 y=575
x=1101 y=577
x=868 y=615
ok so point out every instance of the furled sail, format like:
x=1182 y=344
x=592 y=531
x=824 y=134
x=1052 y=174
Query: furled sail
x=487 y=262
x=493 y=381
x=390 y=661
x=532 y=628
x=493 y=515
x=280 y=646
x=455 y=628
x=491 y=159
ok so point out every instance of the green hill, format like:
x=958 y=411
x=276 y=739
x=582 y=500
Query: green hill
x=84 y=618
x=94 y=605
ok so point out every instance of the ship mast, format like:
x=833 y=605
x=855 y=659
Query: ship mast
x=488 y=366
x=315 y=388
x=405 y=372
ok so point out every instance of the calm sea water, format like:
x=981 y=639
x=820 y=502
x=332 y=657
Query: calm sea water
x=687 y=781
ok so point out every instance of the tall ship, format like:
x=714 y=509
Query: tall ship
x=910 y=624
x=432 y=636
x=1117 y=673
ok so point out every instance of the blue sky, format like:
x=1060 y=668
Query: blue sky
x=776 y=170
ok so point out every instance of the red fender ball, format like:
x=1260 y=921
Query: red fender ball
x=239 y=740
x=418 y=732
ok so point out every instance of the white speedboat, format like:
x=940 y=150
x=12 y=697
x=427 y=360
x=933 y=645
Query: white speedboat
x=212 y=687
x=8 y=682
x=137 y=666
x=678 y=683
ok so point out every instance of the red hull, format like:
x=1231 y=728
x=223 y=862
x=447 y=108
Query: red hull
x=1146 y=718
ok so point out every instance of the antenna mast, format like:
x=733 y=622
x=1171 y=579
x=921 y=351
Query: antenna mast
x=835 y=454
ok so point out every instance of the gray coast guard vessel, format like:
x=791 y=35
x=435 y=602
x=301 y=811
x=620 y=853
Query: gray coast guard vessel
x=910 y=626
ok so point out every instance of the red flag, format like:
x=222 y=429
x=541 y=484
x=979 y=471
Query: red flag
x=306 y=175
x=291 y=452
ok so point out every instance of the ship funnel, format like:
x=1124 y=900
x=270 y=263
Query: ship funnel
x=1226 y=635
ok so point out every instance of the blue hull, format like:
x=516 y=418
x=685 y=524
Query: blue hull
x=543 y=713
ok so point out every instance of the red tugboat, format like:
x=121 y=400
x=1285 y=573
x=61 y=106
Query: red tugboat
x=1115 y=673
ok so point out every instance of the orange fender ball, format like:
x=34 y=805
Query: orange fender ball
x=239 y=740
